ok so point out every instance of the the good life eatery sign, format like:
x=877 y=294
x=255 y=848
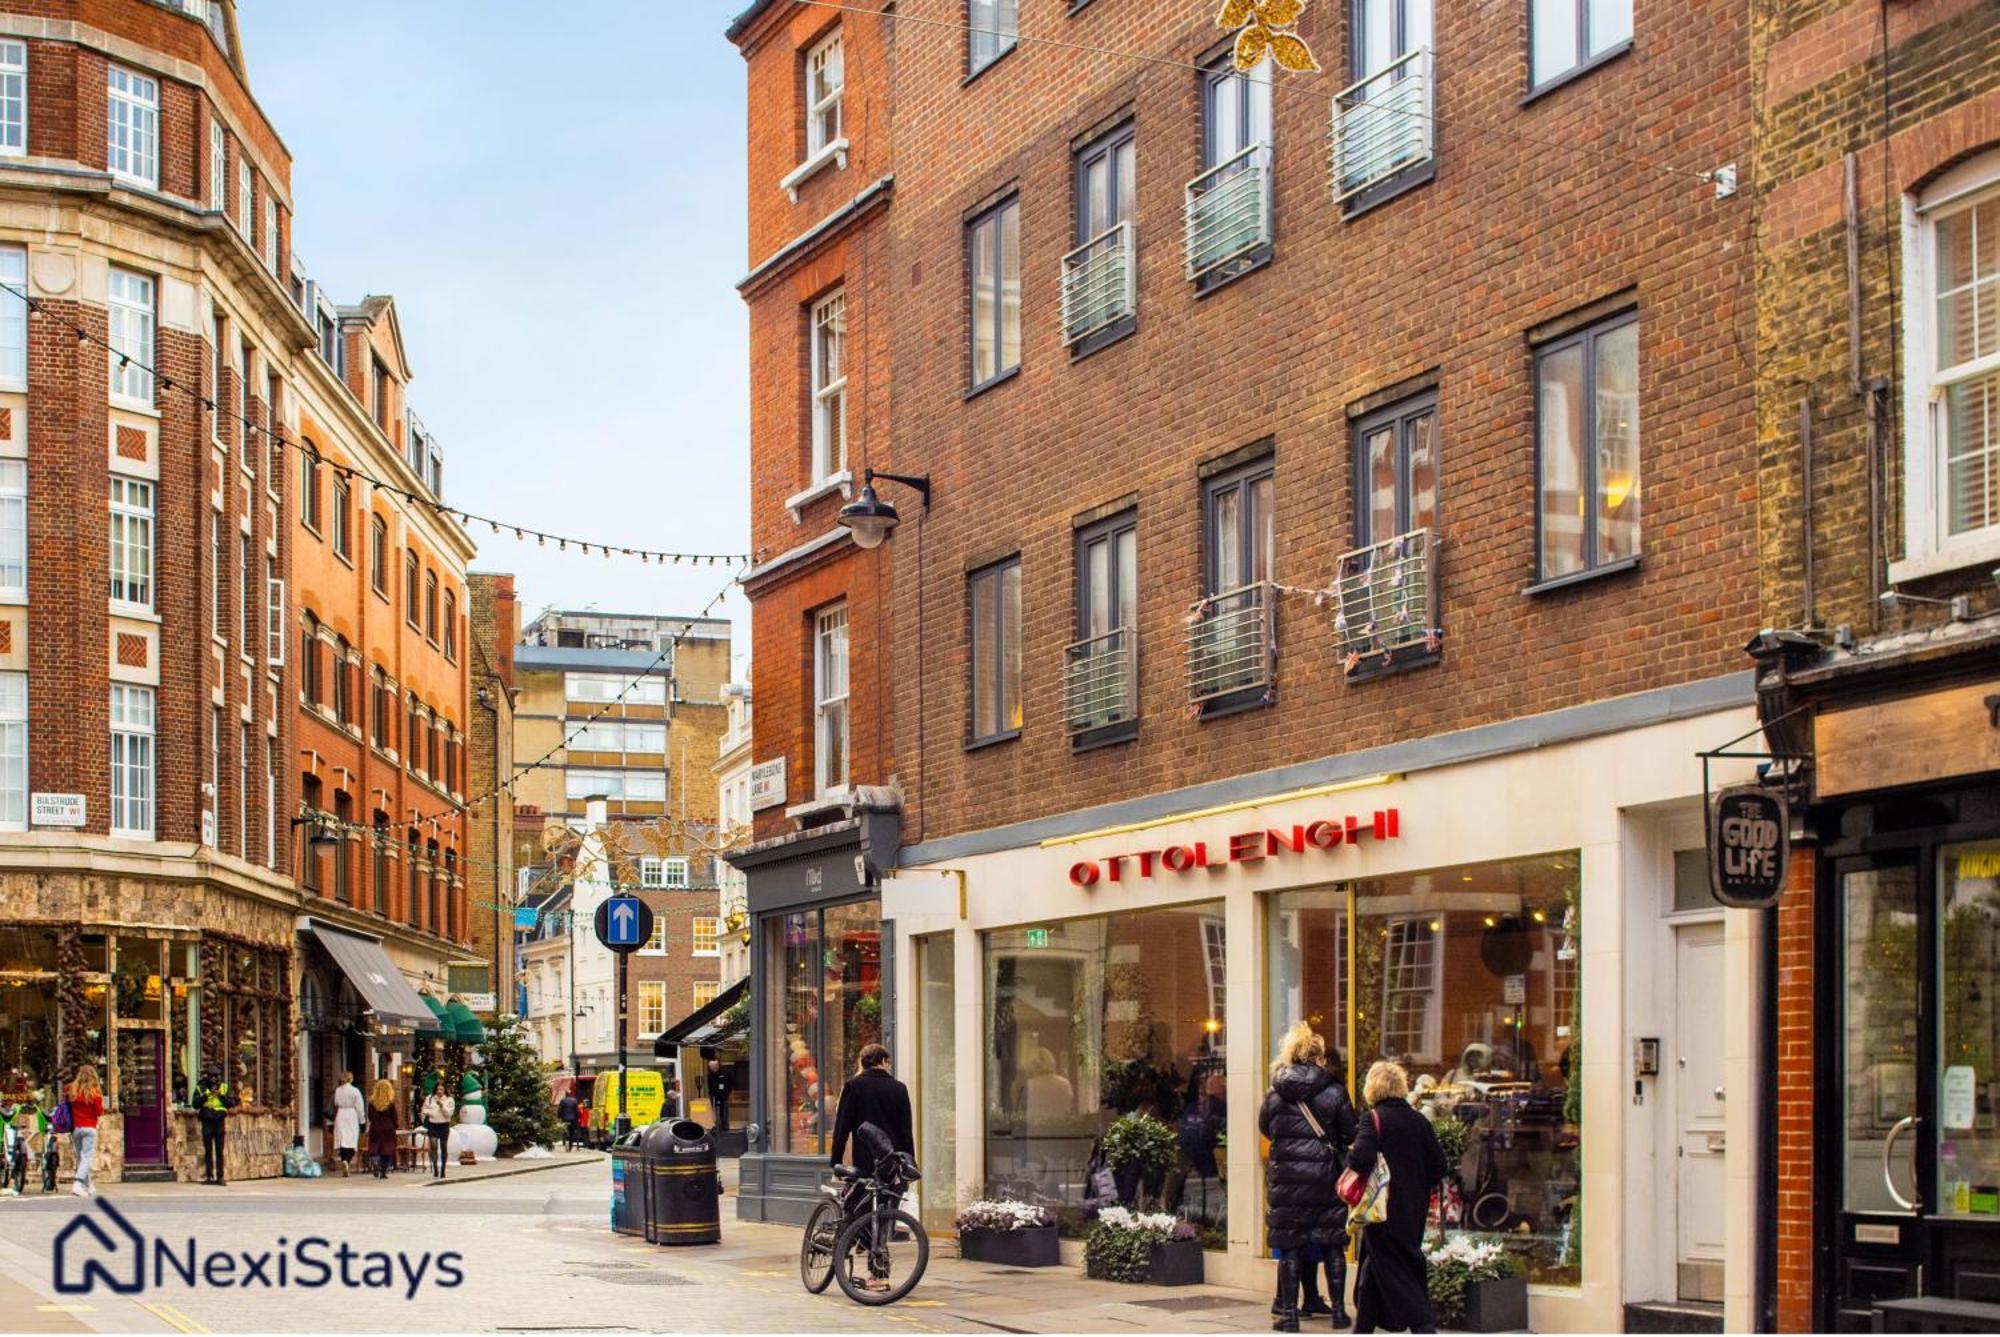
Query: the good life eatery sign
x=1243 y=847
x=1748 y=844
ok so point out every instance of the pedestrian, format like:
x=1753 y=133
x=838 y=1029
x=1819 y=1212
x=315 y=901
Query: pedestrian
x=1392 y=1287
x=567 y=1110
x=86 y=1103
x=213 y=1099
x=436 y=1118
x=348 y=1111
x=382 y=1128
x=1310 y=1122
x=872 y=1095
x=721 y=1082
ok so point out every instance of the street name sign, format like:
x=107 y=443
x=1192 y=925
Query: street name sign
x=624 y=923
x=56 y=810
x=767 y=785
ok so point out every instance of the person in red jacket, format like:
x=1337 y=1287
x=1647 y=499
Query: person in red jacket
x=86 y=1104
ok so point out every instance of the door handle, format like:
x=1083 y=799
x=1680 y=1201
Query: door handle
x=1903 y=1125
x=1718 y=1093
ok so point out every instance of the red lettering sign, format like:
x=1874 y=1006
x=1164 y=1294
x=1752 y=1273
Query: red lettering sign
x=1243 y=847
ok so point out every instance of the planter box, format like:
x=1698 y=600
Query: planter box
x=1036 y=1246
x=1497 y=1306
x=1175 y=1263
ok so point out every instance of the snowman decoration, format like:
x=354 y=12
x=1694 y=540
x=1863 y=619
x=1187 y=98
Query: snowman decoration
x=471 y=1140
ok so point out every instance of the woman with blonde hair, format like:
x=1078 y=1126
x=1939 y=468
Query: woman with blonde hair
x=1310 y=1122
x=86 y=1105
x=1392 y=1286
x=382 y=1128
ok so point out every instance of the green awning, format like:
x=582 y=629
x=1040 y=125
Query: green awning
x=461 y=1025
x=444 y=1029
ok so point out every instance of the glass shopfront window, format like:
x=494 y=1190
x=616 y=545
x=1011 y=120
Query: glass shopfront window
x=936 y=1079
x=1468 y=976
x=826 y=1003
x=29 y=1016
x=1968 y=1149
x=1091 y=1020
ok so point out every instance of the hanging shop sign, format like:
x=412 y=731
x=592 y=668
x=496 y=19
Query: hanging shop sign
x=1243 y=847
x=767 y=785
x=1748 y=846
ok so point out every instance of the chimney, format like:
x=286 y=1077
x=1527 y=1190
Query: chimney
x=596 y=812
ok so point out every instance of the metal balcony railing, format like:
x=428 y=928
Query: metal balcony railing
x=1387 y=600
x=1100 y=681
x=1383 y=124
x=1099 y=283
x=1229 y=210
x=1230 y=645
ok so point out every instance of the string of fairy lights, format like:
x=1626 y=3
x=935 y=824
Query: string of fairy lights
x=38 y=310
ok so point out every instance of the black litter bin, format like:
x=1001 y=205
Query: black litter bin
x=628 y=1185
x=683 y=1200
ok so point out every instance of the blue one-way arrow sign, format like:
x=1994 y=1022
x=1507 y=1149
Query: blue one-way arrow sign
x=624 y=923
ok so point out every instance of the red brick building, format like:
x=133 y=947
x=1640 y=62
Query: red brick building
x=1879 y=424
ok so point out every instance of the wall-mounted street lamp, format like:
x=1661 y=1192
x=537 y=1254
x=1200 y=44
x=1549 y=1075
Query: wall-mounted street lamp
x=323 y=836
x=871 y=519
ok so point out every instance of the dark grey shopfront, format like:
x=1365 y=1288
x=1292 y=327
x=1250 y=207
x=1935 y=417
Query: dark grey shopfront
x=821 y=978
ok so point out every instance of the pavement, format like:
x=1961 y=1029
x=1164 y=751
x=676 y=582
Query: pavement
x=536 y=1255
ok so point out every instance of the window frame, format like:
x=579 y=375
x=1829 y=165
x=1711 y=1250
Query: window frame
x=826 y=702
x=15 y=726
x=412 y=588
x=976 y=33
x=133 y=753
x=270 y=232
x=246 y=607
x=652 y=1007
x=828 y=396
x=996 y=215
x=1006 y=577
x=342 y=535
x=14 y=528
x=127 y=514
x=378 y=554
x=450 y=632
x=431 y=606
x=1241 y=479
x=246 y=195
x=13 y=91
x=1586 y=60
x=133 y=335
x=218 y=166
x=705 y=928
x=818 y=141
x=14 y=317
x=1587 y=337
x=135 y=109
x=311 y=514
x=1398 y=418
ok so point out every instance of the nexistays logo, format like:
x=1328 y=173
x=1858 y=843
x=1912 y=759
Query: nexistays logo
x=113 y=1254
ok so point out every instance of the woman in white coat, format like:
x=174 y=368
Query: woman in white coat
x=348 y=1112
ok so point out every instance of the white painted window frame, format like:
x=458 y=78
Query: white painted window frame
x=13 y=99
x=13 y=751
x=1927 y=550
x=133 y=759
x=825 y=124
x=652 y=1007
x=829 y=393
x=705 y=929
x=246 y=195
x=132 y=104
x=14 y=530
x=14 y=317
x=218 y=167
x=133 y=550
x=829 y=630
x=130 y=303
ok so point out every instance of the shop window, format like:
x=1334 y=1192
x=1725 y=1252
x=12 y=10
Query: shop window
x=936 y=1076
x=28 y=1004
x=1968 y=1148
x=1095 y=1019
x=826 y=1005
x=1470 y=977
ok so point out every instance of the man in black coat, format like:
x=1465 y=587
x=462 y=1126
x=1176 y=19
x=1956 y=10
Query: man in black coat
x=872 y=1095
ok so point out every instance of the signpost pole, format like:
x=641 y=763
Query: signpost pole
x=624 y=1120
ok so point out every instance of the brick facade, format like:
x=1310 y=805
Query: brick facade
x=494 y=624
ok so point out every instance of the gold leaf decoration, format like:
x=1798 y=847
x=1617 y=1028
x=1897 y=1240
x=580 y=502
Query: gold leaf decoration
x=1251 y=44
x=1292 y=53
x=1235 y=13
x=1278 y=13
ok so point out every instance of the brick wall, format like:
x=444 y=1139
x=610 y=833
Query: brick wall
x=1795 y=1109
x=495 y=626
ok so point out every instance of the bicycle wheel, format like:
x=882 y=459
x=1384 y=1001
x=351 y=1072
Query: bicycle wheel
x=880 y=1257
x=816 y=1248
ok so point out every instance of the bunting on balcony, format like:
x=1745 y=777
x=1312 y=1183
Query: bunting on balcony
x=1264 y=28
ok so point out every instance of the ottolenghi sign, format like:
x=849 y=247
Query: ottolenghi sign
x=1243 y=847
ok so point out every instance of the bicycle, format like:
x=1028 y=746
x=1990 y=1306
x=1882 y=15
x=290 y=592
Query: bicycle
x=859 y=1235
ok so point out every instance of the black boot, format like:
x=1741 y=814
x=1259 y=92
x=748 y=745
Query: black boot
x=1336 y=1288
x=1310 y=1304
x=1287 y=1318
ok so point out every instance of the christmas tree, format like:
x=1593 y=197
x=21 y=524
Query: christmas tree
x=518 y=1108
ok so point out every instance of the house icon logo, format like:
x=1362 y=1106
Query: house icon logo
x=90 y=1253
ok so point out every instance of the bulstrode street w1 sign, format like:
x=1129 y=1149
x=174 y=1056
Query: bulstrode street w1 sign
x=1748 y=844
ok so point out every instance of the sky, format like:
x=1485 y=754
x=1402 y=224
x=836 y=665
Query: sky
x=557 y=207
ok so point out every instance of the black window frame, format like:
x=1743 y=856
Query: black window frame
x=1213 y=72
x=1108 y=530
x=379 y=878
x=309 y=675
x=972 y=70
x=1240 y=478
x=1400 y=416
x=378 y=554
x=1587 y=336
x=309 y=499
x=412 y=589
x=1585 y=62
x=343 y=813
x=995 y=571
x=1411 y=175
x=343 y=529
x=991 y=213
x=1125 y=134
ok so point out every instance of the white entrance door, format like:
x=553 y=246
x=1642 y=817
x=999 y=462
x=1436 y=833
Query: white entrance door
x=1699 y=1103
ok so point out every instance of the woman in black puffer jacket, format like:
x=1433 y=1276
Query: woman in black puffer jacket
x=1304 y=1219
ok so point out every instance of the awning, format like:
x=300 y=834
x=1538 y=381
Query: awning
x=668 y=1042
x=441 y=1026
x=465 y=1028
x=382 y=987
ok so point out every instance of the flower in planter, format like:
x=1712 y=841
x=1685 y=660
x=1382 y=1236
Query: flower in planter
x=1459 y=1261
x=999 y=1214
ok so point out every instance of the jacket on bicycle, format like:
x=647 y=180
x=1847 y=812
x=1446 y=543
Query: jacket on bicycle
x=872 y=1096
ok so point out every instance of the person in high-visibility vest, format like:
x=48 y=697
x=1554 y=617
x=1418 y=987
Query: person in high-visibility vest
x=214 y=1098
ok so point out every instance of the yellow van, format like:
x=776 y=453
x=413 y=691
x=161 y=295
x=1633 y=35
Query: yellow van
x=645 y=1100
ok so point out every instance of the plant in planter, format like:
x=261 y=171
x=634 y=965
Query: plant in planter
x=1016 y=1234
x=1154 y=1248
x=1477 y=1285
x=1140 y=1149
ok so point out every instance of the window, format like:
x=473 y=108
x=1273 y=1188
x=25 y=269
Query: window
x=309 y=683
x=218 y=330
x=431 y=605
x=674 y=873
x=1587 y=449
x=342 y=546
x=274 y=417
x=996 y=651
x=132 y=126
x=652 y=871
x=13 y=315
x=246 y=607
x=829 y=386
x=13 y=530
x=825 y=81
x=274 y=615
x=649 y=690
x=343 y=705
x=412 y=598
x=1396 y=465
x=1410 y=958
x=1566 y=35
x=214 y=785
x=1241 y=536
x=131 y=542
x=413 y=899
x=991 y=29
x=652 y=1007
x=270 y=233
x=1952 y=498
x=830 y=700
x=1100 y=276
x=381 y=387
x=243 y=791
x=309 y=863
x=994 y=266
x=646 y=786
x=309 y=498
x=270 y=803
x=217 y=582
x=379 y=710
x=218 y=167
x=705 y=992
x=246 y=192
x=656 y=945
x=413 y=735
x=1232 y=642
x=826 y=966
x=704 y=938
x=343 y=816
x=1101 y=679
x=1384 y=126
x=129 y=303
x=132 y=761
x=13 y=99
x=378 y=555
x=379 y=872
x=14 y=751
x=451 y=626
